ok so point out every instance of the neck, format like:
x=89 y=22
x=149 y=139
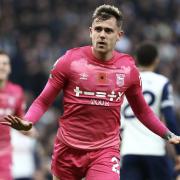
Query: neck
x=102 y=56
x=148 y=68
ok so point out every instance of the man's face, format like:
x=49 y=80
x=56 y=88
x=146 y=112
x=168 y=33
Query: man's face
x=5 y=67
x=104 y=34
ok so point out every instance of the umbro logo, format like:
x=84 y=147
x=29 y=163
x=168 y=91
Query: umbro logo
x=83 y=76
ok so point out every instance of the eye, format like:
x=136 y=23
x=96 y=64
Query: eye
x=108 y=30
x=98 y=29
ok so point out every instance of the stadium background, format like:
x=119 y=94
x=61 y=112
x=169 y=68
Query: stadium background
x=36 y=32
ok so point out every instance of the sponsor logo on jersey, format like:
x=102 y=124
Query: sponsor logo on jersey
x=98 y=102
x=98 y=95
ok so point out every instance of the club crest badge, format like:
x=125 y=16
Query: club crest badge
x=120 y=79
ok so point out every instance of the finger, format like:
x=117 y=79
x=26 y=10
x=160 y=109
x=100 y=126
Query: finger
x=5 y=123
x=18 y=123
x=174 y=142
x=21 y=122
x=16 y=120
x=26 y=123
x=28 y=127
x=8 y=119
x=14 y=123
x=178 y=140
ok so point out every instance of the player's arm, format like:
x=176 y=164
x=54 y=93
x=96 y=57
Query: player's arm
x=144 y=113
x=36 y=110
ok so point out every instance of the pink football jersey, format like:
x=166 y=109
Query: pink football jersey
x=93 y=94
x=11 y=103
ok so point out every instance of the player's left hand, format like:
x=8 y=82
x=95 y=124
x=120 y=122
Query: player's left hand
x=174 y=139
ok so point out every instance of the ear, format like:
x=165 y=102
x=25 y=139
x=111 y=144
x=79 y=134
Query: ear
x=120 y=34
x=156 y=62
x=90 y=32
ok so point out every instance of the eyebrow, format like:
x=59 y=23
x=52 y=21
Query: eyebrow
x=105 y=28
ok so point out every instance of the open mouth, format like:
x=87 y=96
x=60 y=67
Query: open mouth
x=101 y=43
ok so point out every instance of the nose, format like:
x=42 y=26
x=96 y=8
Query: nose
x=102 y=34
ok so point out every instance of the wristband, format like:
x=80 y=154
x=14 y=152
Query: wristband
x=168 y=135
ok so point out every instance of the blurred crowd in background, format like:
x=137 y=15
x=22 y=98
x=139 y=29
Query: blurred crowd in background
x=36 y=32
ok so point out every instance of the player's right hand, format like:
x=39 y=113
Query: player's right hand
x=16 y=123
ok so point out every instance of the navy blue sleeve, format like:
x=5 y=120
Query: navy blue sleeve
x=167 y=110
